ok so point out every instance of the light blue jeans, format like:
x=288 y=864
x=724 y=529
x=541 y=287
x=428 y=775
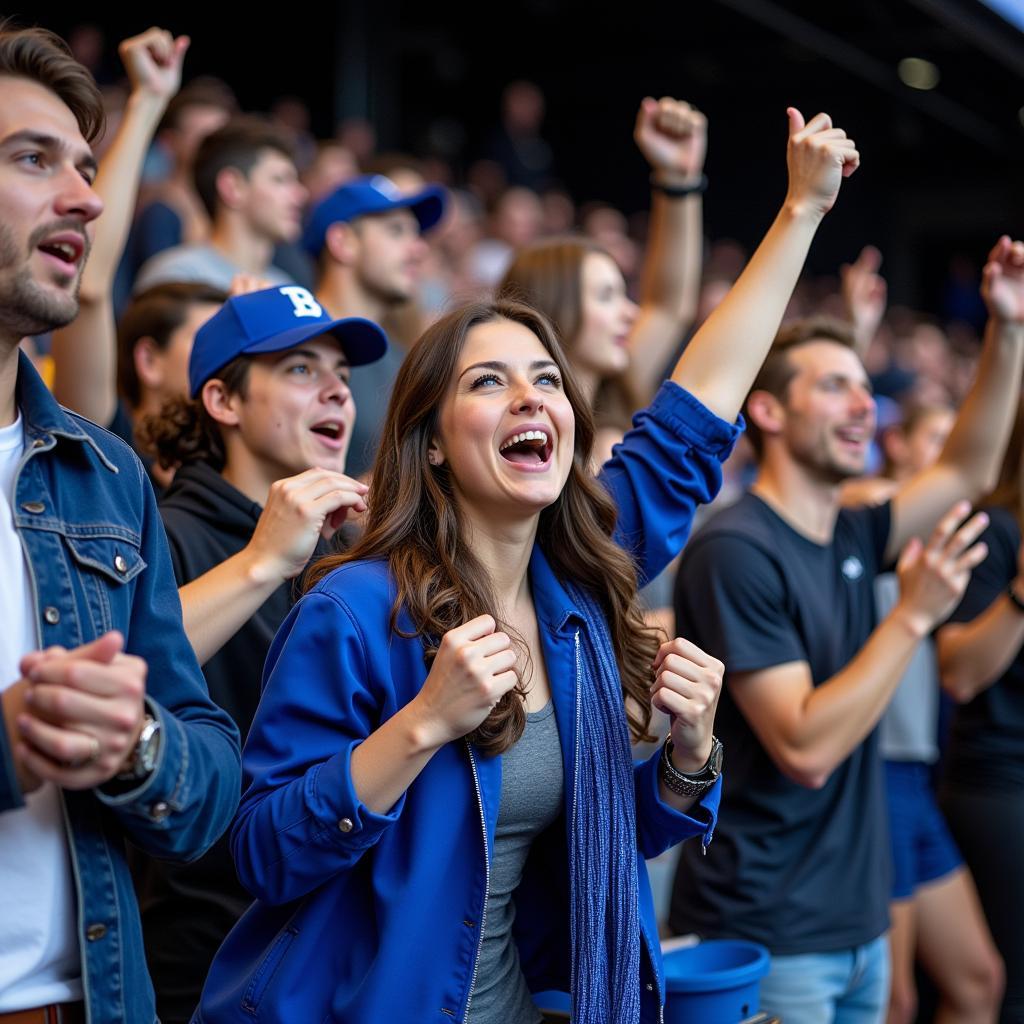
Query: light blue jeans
x=848 y=987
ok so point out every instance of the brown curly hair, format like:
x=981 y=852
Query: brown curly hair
x=184 y=432
x=414 y=522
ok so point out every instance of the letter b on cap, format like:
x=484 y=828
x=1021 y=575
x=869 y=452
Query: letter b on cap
x=302 y=301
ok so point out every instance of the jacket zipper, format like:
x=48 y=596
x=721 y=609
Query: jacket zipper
x=654 y=969
x=575 y=784
x=487 y=878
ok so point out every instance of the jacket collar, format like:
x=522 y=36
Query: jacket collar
x=552 y=603
x=45 y=418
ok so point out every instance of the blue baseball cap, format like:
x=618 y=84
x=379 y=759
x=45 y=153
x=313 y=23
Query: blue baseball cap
x=272 y=320
x=370 y=194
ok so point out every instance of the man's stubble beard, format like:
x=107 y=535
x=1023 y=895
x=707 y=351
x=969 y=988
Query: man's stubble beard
x=26 y=308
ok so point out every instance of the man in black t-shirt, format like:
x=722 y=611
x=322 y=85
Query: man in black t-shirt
x=779 y=587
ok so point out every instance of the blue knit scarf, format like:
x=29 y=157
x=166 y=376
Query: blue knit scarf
x=605 y=924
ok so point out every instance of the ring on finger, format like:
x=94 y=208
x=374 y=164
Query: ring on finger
x=90 y=758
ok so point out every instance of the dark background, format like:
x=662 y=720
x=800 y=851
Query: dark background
x=941 y=170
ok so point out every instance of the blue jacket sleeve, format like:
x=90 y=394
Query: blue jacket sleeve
x=187 y=802
x=660 y=826
x=667 y=465
x=300 y=821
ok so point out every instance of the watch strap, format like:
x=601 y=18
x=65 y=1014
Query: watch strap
x=680 y=191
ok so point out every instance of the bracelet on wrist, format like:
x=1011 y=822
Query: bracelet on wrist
x=687 y=783
x=680 y=191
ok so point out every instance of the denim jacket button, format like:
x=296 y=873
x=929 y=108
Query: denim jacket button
x=120 y=564
x=35 y=507
x=159 y=810
x=95 y=931
x=38 y=443
x=345 y=825
x=51 y=615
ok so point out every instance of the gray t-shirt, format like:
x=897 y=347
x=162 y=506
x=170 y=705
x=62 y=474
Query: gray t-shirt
x=531 y=799
x=201 y=263
x=909 y=727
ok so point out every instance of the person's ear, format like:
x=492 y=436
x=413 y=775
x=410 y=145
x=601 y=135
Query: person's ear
x=149 y=363
x=766 y=412
x=434 y=454
x=894 y=445
x=232 y=187
x=220 y=404
x=342 y=243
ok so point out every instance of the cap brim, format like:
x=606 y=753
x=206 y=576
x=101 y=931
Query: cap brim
x=427 y=206
x=361 y=340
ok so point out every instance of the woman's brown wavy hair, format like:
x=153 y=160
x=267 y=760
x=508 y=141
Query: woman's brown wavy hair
x=414 y=523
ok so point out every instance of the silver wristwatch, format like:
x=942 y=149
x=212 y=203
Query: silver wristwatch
x=691 y=783
x=143 y=757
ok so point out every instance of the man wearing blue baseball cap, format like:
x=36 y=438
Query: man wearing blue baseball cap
x=260 y=447
x=367 y=239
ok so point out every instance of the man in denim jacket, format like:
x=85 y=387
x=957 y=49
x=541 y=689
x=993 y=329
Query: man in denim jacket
x=109 y=735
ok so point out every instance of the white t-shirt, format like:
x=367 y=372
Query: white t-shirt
x=39 y=954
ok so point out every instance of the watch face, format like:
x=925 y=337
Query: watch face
x=717 y=756
x=148 y=747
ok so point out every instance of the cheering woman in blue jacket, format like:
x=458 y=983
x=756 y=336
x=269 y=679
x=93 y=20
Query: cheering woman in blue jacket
x=441 y=814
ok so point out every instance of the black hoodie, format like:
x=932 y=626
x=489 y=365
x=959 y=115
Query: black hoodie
x=187 y=910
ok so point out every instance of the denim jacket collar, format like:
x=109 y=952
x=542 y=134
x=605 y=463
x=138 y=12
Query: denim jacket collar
x=45 y=418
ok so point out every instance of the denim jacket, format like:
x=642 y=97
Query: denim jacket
x=377 y=917
x=97 y=560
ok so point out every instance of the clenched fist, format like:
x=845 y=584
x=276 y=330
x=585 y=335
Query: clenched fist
x=687 y=685
x=153 y=61
x=1002 y=282
x=82 y=715
x=819 y=156
x=473 y=669
x=672 y=136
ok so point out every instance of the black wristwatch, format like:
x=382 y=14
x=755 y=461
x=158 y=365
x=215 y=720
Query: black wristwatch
x=691 y=783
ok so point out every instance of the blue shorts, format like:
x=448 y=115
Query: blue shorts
x=922 y=847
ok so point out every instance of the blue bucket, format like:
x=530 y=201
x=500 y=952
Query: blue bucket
x=717 y=982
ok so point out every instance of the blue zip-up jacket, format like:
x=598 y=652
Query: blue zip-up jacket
x=365 y=917
x=97 y=560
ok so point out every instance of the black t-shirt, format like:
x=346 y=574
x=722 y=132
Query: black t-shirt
x=797 y=869
x=987 y=742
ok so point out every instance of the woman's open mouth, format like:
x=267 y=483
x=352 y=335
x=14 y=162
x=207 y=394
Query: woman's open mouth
x=528 y=449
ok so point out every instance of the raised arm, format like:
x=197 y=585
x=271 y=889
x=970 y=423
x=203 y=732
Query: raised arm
x=721 y=362
x=864 y=296
x=970 y=460
x=85 y=352
x=672 y=137
x=809 y=730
